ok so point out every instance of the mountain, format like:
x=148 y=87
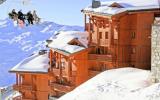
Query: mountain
x=17 y=43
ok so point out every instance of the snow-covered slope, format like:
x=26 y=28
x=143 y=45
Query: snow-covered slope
x=117 y=84
x=17 y=43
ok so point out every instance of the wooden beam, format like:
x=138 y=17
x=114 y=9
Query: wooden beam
x=98 y=39
x=89 y=29
x=85 y=21
x=97 y=14
x=60 y=65
x=16 y=79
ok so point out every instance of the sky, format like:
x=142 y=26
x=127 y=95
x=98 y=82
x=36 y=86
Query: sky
x=66 y=12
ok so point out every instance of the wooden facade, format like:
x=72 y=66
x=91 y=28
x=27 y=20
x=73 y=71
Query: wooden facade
x=67 y=72
x=32 y=86
x=123 y=40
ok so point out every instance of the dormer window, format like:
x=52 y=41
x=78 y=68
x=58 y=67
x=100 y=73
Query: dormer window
x=75 y=42
x=117 y=5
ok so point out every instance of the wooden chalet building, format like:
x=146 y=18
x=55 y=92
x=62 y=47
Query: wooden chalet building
x=118 y=34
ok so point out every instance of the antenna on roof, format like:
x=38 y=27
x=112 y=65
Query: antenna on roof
x=96 y=3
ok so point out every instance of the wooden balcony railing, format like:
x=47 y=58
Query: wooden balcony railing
x=104 y=42
x=56 y=72
x=27 y=99
x=93 y=73
x=61 y=87
x=100 y=57
x=22 y=87
x=17 y=98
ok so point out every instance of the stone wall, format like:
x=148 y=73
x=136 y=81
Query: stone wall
x=155 y=63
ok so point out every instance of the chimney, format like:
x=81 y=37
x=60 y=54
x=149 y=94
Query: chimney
x=96 y=3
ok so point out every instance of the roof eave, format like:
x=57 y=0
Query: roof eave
x=97 y=14
x=66 y=53
x=14 y=71
x=143 y=10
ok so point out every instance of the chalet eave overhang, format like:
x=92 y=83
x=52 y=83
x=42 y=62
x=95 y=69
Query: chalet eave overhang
x=91 y=13
x=65 y=53
x=27 y=72
x=106 y=15
x=144 y=10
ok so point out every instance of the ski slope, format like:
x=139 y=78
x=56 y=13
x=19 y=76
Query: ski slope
x=18 y=43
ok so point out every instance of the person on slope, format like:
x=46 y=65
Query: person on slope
x=13 y=15
x=30 y=18
x=21 y=16
x=35 y=17
x=21 y=19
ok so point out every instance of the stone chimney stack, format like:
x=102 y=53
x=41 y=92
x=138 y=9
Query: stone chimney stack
x=96 y=3
x=155 y=48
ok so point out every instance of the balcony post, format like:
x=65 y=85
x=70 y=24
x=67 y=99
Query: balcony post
x=60 y=66
x=51 y=57
x=85 y=22
x=20 y=79
x=69 y=70
x=16 y=79
x=98 y=39
x=89 y=29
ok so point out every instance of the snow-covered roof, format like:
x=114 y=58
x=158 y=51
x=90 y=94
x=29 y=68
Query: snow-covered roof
x=117 y=84
x=33 y=64
x=62 y=41
x=127 y=5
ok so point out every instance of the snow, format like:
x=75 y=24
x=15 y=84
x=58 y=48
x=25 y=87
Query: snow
x=61 y=42
x=19 y=43
x=35 y=63
x=128 y=5
x=117 y=84
x=7 y=93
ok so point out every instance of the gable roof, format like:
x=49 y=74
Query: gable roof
x=62 y=42
x=109 y=8
x=115 y=4
x=33 y=64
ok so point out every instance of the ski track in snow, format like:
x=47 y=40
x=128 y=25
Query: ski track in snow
x=17 y=43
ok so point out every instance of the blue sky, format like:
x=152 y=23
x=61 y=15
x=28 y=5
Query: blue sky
x=59 y=11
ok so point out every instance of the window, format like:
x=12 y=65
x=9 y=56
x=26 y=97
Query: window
x=100 y=50
x=100 y=35
x=106 y=35
x=63 y=65
x=115 y=34
x=133 y=35
x=133 y=50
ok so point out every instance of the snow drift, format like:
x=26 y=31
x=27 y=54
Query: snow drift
x=117 y=84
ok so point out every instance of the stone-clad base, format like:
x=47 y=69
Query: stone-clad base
x=155 y=63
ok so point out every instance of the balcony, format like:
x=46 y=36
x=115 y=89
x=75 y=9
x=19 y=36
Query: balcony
x=28 y=98
x=17 y=98
x=100 y=57
x=22 y=87
x=93 y=73
x=61 y=87
x=56 y=72
x=104 y=42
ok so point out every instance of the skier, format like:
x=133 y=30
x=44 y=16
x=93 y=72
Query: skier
x=21 y=19
x=35 y=17
x=21 y=16
x=30 y=17
x=13 y=15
